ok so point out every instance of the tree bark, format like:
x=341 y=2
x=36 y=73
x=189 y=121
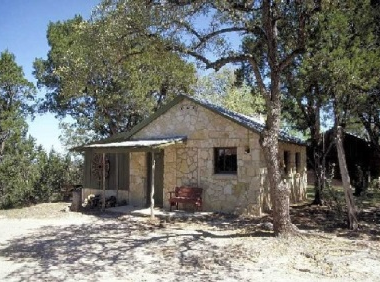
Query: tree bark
x=351 y=208
x=319 y=168
x=279 y=191
x=269 y=137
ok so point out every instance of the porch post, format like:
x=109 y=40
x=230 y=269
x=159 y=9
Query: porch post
x=104 y=181
x=152 y=188
x=117 y=178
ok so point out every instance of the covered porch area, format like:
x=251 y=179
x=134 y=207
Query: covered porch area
x=130 y=171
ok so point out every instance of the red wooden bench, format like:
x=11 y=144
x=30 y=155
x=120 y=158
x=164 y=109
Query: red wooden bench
x=185 y=195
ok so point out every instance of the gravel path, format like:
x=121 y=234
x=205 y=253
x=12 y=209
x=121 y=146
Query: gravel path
x=68 y=246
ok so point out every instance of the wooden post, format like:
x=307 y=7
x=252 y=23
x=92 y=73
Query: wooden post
x=117 y=178
x=152 y=188
x=104 y=181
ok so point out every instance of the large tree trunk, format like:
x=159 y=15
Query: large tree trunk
x=351 y=208
x=279 y=191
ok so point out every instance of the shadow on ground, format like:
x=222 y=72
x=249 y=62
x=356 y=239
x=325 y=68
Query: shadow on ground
x=307 y=217
x=119 y=246
x=123 y=244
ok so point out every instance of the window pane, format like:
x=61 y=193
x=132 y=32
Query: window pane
x=298 y=162
x=286 y=162
x=225 y=160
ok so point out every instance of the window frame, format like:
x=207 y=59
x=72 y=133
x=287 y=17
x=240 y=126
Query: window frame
x=287 y=155
x=298 y=162
x=223 y=170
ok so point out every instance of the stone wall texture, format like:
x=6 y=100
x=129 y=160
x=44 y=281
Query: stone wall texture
x=138 y=179
x=192 y=163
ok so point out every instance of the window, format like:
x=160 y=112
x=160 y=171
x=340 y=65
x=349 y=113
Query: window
x=225 y=160
x=286 y=162
x=298 y=162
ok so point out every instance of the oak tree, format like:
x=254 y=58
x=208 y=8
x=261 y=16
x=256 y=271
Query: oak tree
x=204 y=30
x=105 y=80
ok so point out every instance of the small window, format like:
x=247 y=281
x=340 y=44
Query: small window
x=225 y=160
x=286 y=162
x=298 y=162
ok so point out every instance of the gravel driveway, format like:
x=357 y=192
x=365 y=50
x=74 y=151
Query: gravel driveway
x=65 y=246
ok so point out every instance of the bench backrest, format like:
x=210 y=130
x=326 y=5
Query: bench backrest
x=188 y=192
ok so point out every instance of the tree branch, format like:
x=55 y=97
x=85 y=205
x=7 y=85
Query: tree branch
x=203 y=39
x=256 y=70
x=289 y=58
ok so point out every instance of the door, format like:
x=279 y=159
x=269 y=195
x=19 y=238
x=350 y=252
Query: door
x=158 y=178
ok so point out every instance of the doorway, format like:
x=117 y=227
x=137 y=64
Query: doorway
x=158 y=178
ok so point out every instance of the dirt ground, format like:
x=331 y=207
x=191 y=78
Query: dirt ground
x=48 y=243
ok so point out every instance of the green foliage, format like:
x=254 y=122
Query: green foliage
x=346 y=55
x=27 y=174
x=55 y=170
x=16 y=151
x=105 y=77
x=338 y=67
x=328 y=84
x=15 y=90
x=18 y=172
x=15 y=94
x=221 y=88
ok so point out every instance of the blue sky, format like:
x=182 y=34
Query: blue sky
x=23 y=25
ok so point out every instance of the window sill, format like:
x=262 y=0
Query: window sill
x=225 y=176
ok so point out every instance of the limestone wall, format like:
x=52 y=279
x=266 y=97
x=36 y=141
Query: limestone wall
x=296 y=178
x=138 y=179
x=192 y=163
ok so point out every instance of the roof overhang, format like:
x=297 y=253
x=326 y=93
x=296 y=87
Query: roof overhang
x=139 y=145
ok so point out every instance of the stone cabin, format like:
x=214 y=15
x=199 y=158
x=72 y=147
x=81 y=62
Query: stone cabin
x=194 y=143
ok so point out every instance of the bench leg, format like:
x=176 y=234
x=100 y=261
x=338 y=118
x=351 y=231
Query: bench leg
x=171 y=204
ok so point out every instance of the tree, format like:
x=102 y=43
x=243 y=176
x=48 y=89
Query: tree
x=352 y=62
x=197 y=28
x=278 y=26
x=304 y=103
x=106 y=81
x=369 y=114
x=223 y=88
x=18 y=171
x=54 y=171
x=339 y=65
x=15 y=93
